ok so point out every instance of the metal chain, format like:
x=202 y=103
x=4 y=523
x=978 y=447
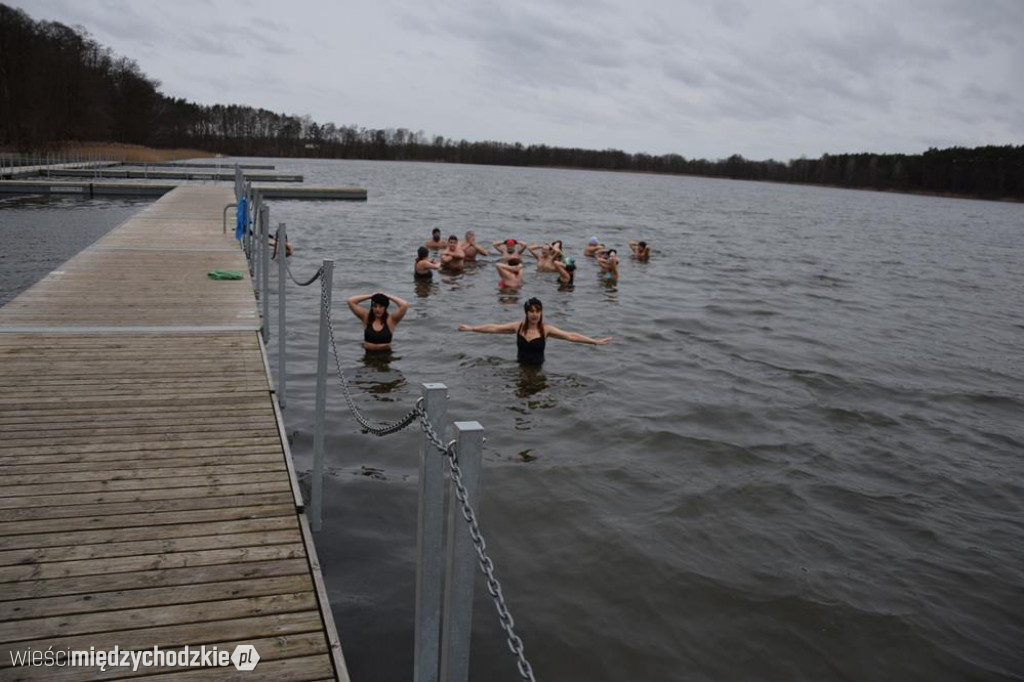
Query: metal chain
x=377 y=430
x=315 y=277
x=515 y=644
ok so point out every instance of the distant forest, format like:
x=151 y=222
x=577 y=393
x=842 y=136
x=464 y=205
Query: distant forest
x=58 y=85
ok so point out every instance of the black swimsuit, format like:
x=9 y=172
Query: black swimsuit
x=530 y=352
x=371 y=335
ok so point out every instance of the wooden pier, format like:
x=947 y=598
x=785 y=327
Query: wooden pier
x=147 y=496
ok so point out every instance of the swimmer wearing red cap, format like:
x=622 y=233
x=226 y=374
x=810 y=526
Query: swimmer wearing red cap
x=509 y=249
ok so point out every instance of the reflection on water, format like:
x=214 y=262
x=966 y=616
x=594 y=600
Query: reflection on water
x=425 y=287
x=531 y=381
x=379 y=359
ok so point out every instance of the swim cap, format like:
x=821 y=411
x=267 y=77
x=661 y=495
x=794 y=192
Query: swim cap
x=593 y=240
x=570 y=263
x=510 y=242
x=380 y=299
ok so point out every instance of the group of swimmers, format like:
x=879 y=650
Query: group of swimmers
x=531 y=333
x=550 y=258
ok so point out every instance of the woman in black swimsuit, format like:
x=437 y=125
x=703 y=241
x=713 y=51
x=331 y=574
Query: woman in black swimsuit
x=378 y=326
x=532 y=333
x=422 y=267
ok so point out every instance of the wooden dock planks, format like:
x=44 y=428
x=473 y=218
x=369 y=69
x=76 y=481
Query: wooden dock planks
x=145 y=495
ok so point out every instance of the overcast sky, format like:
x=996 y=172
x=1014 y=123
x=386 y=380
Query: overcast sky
x=762 y=78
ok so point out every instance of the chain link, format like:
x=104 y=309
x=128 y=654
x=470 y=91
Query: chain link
x=378 y=429
x=515 y=644
x=315 y=277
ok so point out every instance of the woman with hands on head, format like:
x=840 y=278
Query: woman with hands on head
x=531 y=333
x=546 y=257
x=379 y=326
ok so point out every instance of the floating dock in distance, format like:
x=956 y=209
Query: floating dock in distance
x=12 y=172
x=217 y=166
x=168 y=175
x=130 y=189
x=312 y=193
x=86 y=189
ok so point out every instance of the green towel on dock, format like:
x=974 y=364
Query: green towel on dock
x=224 y=274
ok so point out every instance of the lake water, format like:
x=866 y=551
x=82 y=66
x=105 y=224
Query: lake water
x=801 y=458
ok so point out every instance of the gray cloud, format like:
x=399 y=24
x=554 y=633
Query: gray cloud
x=775 y=78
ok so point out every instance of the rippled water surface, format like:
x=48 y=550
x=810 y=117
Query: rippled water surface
x=801 y=458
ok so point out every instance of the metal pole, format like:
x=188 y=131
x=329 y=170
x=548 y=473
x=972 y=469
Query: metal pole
x=430 y=540
x=282 y=253
x=461 y=568
x=265 y=274
x=254 y=249
x=317 y=484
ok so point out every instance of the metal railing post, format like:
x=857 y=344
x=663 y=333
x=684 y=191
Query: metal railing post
x=265 y=274
x=317 y=483
x=430 y=540
x=282 y=253
x=461 y=569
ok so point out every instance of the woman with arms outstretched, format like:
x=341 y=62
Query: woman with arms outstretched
x=531 y=333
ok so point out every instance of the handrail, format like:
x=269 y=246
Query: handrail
x=225 y=217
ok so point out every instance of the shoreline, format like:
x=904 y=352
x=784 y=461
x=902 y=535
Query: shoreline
x=139 y=153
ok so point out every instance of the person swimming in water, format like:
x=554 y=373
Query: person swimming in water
x=509 y=249
x=532 y=333
x=435 y=239
x=511 y=275
x=453 y=259
x=272 y=243
x=546 y=257
x=593 y=247
x=378 y=326
x=423 y=267
x=641 y=250
x=470 y=249
x=609 y=262
x=556 y=246
x=566 y=271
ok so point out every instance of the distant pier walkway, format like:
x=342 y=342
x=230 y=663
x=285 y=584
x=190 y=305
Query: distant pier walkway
x=147 y=496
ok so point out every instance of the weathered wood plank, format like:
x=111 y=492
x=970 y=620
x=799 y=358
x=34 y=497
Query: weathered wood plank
x=56 y=524
x=108 y=566
x=156 y=596
x=190 y=575
x=85 y=538
x=155 y=616
x=24 y=557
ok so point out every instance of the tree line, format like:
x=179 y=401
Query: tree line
x=58 y=85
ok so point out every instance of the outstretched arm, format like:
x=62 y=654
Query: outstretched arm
x=357 y=310
x=575 y=337
x=507 y=328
